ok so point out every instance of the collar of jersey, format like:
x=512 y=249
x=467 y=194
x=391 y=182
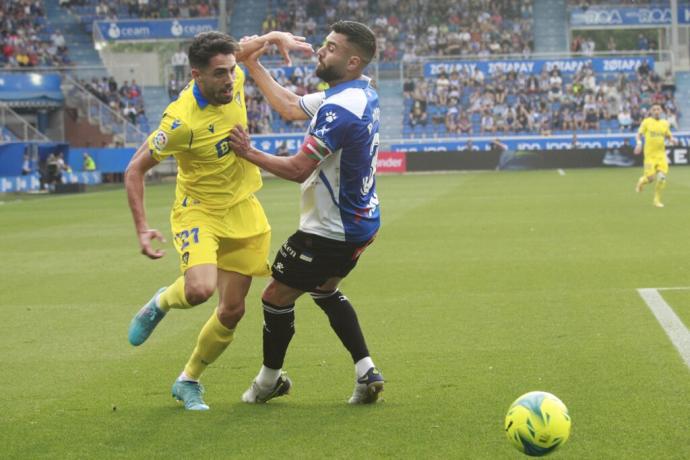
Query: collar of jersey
x=357 y=83
x=200 y=99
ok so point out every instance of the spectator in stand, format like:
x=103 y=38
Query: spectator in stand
x=283 y=150
x=134 y=91
x=555 y=86
x=642 y=42
x=89 y=164
x=130 y=112
x=418 y=115
x=464 y=124
x=591 y=118
x=643 y=70
x=59 y=40
x=180 y=62
x=442 y=88
x=487 y=123
x=408 y=88
x=173 y=87
x=452 y=118
x=26 y=165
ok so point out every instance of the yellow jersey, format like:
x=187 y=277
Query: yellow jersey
x=655 y=133
x=196 y=134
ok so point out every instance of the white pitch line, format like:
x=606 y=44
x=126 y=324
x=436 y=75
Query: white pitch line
x=561 y=172
x=672 y=325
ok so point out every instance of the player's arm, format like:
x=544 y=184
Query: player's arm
x=296 y=168
x=141 y=162
x=281 y=99
x=285 y=42
x=669 y=136
x=638 y=139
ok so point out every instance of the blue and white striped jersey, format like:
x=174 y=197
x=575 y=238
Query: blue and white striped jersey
x=339 y=199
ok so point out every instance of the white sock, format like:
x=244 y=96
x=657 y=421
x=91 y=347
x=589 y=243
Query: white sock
x=185 y=378
x=363 y=365
x=267 y=377
x=157 y=301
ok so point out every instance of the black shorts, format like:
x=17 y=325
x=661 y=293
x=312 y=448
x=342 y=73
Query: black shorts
x=306 y=261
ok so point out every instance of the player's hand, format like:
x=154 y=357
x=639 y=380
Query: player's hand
x=638 y=150
x=240 y=142
x=287 y=42
x=146 y=238
x=254 y=57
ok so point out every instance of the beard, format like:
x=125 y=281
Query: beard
x=328 y=73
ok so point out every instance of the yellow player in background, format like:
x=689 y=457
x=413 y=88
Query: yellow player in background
x=655 y=132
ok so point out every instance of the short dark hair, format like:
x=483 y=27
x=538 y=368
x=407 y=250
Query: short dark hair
x=359 y=35
x=208 y=44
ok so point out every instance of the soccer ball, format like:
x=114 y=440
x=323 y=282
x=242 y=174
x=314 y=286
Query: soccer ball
x=537 y=423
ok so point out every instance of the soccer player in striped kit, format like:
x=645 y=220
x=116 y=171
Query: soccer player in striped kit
x=336 y=166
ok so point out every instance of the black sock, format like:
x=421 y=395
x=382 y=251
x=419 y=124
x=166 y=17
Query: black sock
x=344 y=321
x=279 y=327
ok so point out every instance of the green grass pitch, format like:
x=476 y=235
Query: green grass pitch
x=479 y=288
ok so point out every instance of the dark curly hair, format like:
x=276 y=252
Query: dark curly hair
x=208 y=44
x=360 y=36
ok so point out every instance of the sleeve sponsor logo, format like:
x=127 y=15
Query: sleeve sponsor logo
x=160 y=140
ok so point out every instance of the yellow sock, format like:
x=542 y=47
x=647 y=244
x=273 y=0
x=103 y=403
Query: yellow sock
x=660 y=185
x=643 y=180
x=213 y=339
x=173 y=296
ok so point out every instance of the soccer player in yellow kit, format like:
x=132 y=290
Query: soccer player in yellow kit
x=655 y=132
x=220 y=230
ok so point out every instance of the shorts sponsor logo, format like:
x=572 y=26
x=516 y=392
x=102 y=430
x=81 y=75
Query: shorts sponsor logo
x=306 y=257
x=286 y=250
x=278 y=266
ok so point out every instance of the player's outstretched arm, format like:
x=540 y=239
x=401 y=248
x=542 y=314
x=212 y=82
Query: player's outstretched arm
x=638 y=143
x=285 y=42
x=672 y=140
x=296 y=168
x=281 y=99
x=140 y=163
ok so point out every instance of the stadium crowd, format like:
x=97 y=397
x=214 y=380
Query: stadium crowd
x=154 y=9
x=25 y=38
x=520 y=103
x=125 y=99
x=406 y=29
x=584 y=4
x=261 y=119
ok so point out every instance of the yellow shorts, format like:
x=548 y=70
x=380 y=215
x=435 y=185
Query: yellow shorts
x=235 y=239
x=654 y=165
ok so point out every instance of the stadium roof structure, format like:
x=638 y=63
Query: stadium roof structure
x=31 y=90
